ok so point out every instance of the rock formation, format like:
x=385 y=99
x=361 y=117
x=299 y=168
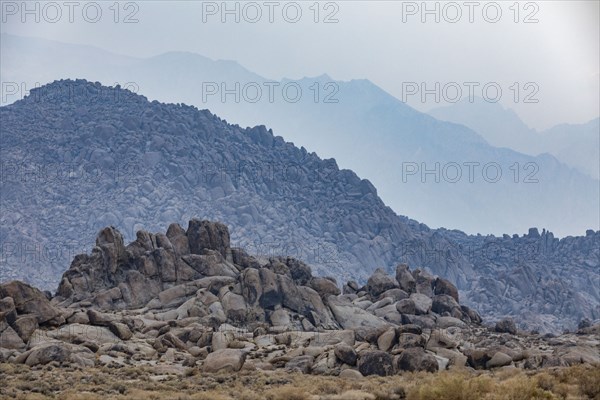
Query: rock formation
x=188 y=299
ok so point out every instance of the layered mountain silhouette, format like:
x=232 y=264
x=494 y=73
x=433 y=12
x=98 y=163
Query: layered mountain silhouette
x=78 y=156
x=440 y=173
x=577 y=145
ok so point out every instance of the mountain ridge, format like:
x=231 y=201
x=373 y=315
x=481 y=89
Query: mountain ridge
x=366 y=121
x=574 y=144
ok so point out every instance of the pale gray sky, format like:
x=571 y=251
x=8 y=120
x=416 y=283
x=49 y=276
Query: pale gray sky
x=384 y=41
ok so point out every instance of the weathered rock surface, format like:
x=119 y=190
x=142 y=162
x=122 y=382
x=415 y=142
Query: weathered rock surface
x=29 y=300
x=229 y=360
x=346 y=354
x=416 y=359
x=375 y=362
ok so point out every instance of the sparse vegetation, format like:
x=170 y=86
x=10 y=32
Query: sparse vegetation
x=21 y=382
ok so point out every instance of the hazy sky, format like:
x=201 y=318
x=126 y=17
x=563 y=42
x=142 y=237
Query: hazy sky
x=554 y=60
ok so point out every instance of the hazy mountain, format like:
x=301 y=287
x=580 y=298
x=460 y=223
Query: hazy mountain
x=78 y=156
x=577 y=145
x=500 y=126
x=364 y=128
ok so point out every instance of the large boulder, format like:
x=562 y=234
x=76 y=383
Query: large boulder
x=444 y=303
x=228 y=360
x=25 y=325
x=346 y=354
x=405 y=279
x=408 y=340
x=179 y=240
x=325 y=286
x=408 y=328
x=59 y=352
x=9 y=339
x=29 y=300
x=280 y=317
x=444 y=286
x=424 y=282
x=301 y=273
x=375 y=362
x=424 y=321
x=406 y=306
x=75 y=333
x=387 y=339
x=306 y=302
x=422 y=303
x=351 y=287
x=477 y=358
x=442 y=338
x=271 y=295
x=234 y=305
x=473 y=316
x=363 y=323
x=416 y=359
x=8 y=312
x=395 y=294
x=499 y=359
x=110 y=240
x=208 y=235
x=211 y=263
x=380 y=282
x=250 y=280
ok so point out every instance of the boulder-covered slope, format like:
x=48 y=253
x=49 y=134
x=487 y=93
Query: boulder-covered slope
x=188 y=299
x=78 y=156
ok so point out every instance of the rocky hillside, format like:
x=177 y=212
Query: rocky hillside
x=78 y=156
x=188 y=300
x=536 y=276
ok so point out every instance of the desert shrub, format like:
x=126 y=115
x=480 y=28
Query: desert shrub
x=248 y=395
x=446 y=387
x=589 y=382
x=546 y=381
x=212 y=395
x=286 y=393
x=327 y=387
x=521 y=388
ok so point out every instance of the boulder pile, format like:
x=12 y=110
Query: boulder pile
x=188 y=299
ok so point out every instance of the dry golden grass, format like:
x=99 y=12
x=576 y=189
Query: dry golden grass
x=21 y=382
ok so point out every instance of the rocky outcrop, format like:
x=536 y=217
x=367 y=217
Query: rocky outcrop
x=537 y=279
x=199 y=303
x=153 y=272
x=27 y=300
x=23 y=309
